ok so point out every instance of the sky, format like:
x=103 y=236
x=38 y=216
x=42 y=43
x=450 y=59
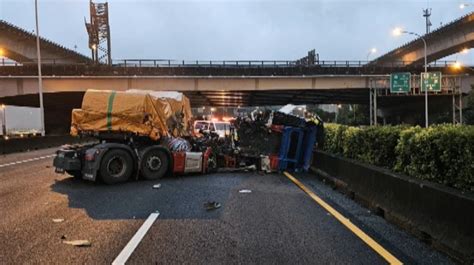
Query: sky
x=239 y=30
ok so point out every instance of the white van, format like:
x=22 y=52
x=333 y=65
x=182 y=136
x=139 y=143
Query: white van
x=222 y=128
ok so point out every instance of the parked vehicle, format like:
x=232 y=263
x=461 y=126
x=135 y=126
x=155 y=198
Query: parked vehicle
x=221 y=128
x=16 y=121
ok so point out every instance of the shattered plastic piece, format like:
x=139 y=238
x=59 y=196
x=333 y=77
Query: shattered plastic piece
x=251 y=167
x=157 y=186
x=78 y=243
x=212 y=205
x=58 y=220
x=245 y=191
x=265 y=164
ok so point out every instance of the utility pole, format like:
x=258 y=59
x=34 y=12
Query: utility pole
x=427 y=14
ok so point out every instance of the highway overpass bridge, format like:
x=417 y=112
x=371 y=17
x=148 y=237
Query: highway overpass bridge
x=20 y=46
x=447 y=40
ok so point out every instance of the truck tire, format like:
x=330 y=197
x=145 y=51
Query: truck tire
x=154 y=164
x=116 y=166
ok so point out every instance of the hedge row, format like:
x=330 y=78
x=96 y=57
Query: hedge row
x=443 y=153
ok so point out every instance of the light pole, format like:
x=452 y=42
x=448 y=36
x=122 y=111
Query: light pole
x=40 y=81
x=212 y=111
x=371 y=51
x=338 y=106
x=1 y=56
x=398 y=32
x=4 y=126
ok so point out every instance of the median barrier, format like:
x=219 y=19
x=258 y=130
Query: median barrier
x=440 y=216
x=15 y=145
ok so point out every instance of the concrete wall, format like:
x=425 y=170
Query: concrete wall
x=439 y=215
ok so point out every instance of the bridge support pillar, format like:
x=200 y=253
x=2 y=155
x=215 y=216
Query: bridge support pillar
x=457 y=101
x=373 y=101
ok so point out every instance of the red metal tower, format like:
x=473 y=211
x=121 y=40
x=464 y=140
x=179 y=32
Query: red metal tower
x=99 y=33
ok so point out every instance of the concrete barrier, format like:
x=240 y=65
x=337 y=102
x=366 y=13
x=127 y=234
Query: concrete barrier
x=439 y=215
x=33 y=143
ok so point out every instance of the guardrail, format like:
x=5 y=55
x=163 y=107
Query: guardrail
x=233 y=63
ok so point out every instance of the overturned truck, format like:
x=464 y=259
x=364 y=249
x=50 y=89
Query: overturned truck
x=132 y=128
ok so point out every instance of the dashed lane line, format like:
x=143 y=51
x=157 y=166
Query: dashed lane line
x=133 y=243
x=26 y=161
x=347 y=223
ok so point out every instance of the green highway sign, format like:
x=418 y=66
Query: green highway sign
x=432 y=81
x=400 y=83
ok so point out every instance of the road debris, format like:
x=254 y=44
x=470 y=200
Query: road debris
x=212 y=206
x=78 y=243
x=245 y=191
x=157 y=186
x=58 y=220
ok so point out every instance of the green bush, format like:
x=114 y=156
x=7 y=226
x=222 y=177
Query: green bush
x=442 y=154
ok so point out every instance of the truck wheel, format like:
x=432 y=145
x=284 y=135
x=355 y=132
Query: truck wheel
x=77 y=174
x=116 y=166
x=154 y=164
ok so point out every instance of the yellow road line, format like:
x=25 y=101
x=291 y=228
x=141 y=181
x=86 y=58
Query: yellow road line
x=347 y=223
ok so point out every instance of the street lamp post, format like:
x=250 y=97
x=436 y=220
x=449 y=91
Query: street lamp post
x=4 y=126
x=40 y=81
x=398 y=32
x=1 y=56
x=371 y=51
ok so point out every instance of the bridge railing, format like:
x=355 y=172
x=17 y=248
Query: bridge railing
x=134 y=63
x=264 y=63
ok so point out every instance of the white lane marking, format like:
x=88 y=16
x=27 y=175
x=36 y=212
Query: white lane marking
x=26 y=160
x=133 y=243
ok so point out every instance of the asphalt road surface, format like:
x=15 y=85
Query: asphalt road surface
x=276 y=223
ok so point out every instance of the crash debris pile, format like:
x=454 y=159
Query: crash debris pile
x=268 y=141
x=256 y=136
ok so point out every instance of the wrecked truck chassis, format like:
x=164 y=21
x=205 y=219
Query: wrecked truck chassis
x=117 y=162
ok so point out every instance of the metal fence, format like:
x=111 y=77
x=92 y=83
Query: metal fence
x=234 y=63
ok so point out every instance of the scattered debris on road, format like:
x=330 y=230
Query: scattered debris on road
x=58 y=220
x=157 y=186
x=78 y=243
x=212 y=206
x=245 y=191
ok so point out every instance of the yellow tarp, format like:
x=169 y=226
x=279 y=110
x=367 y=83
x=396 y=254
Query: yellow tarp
x=110 y=111
x=176 y=108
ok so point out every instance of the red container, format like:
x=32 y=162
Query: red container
x=179 y=162
x=274 y=162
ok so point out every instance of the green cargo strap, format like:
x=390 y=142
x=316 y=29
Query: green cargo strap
x=109 y=110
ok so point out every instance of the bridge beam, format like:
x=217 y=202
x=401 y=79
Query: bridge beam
x=19 y=85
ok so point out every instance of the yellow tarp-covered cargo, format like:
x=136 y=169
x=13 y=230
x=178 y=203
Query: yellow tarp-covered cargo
x=110 y=111
x=177 y=109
